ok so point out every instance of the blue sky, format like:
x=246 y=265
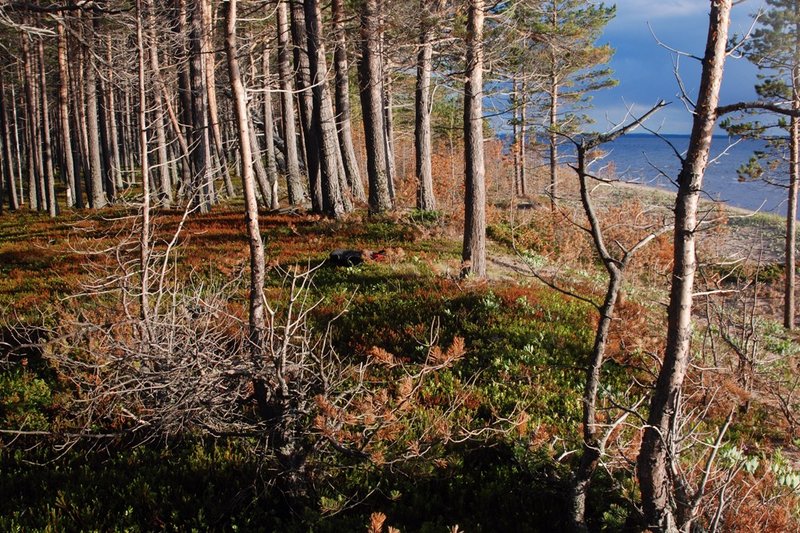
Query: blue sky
x=645 y=69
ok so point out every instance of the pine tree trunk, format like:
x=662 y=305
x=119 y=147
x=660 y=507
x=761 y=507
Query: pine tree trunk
x=324 y=121
x=789 y=304
x=113 y=134
x=269 y=131
x=165 y=100
x=515 y=133
x=38 y=138
x=103 y=125
x=201 y=146
x=31 y=123
x=262 y=179
x=371 y=88
x=426 y=199
x=474 y=250
x=6 y=155
x=653 y=466
x=17 y=149
x=93 y=128
x=49 y=185
x=256 y=321
x=306 y=98
x=130 y=149
x=211 y=85
x=388 y=122
x=523 y=142
x=553 y=142
x=123 y=147
x=162 y=156
x=387 y=104
x=105 y=141
x=144 y=243
x=294 y=183
x=63 y=113
x=342 y=99
x=185 y=114
x=82 y=129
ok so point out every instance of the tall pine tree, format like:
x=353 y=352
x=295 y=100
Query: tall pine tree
x=571 y=62
x=775 y=49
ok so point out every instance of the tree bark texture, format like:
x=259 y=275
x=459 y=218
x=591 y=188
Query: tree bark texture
x=269 y=130
x=426 y=199
x=103 y=111
x=31 y=122
x=201 y=145
x=371 y=88
x=63 y=115
x=10 y=187
x=164 y=180
x=323 y=119
x=17 y=149
x=294 y=183
x=144 y=242
x=789 y=304
x=93 y=131
x=473 y=254
x=111 y=113
x=256 y=323
x=657 y=487
x=211 y=87
x=342 y=98
x=5 y=145
x=311 y=139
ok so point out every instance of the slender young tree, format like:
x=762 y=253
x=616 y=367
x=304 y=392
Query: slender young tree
x=203 y=184
x=111 y=115
x=774 y=47
x=388 y=98
x=33 y=170
x=342 y=98
x=565 y=32
x=164 y=180
x=17 y=149
x=663 y=502
x=63 y=115
x=207 y=37
x=269 y=130
x=294 y=184
x=6 y=154
x=144 y=242
x=595 y=436
x=49 y=185
x=473 y=254
x=429 y=11
x=256 y=321
x=104 y=112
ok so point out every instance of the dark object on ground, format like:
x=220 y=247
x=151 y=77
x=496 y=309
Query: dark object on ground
x=348 y=258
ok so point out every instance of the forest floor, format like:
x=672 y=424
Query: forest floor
x=525 y=345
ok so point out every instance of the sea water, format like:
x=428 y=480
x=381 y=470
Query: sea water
x=650 y=160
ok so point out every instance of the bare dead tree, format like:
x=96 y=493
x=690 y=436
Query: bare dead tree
x=615 y=265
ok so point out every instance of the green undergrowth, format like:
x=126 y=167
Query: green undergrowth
x=526 y=349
